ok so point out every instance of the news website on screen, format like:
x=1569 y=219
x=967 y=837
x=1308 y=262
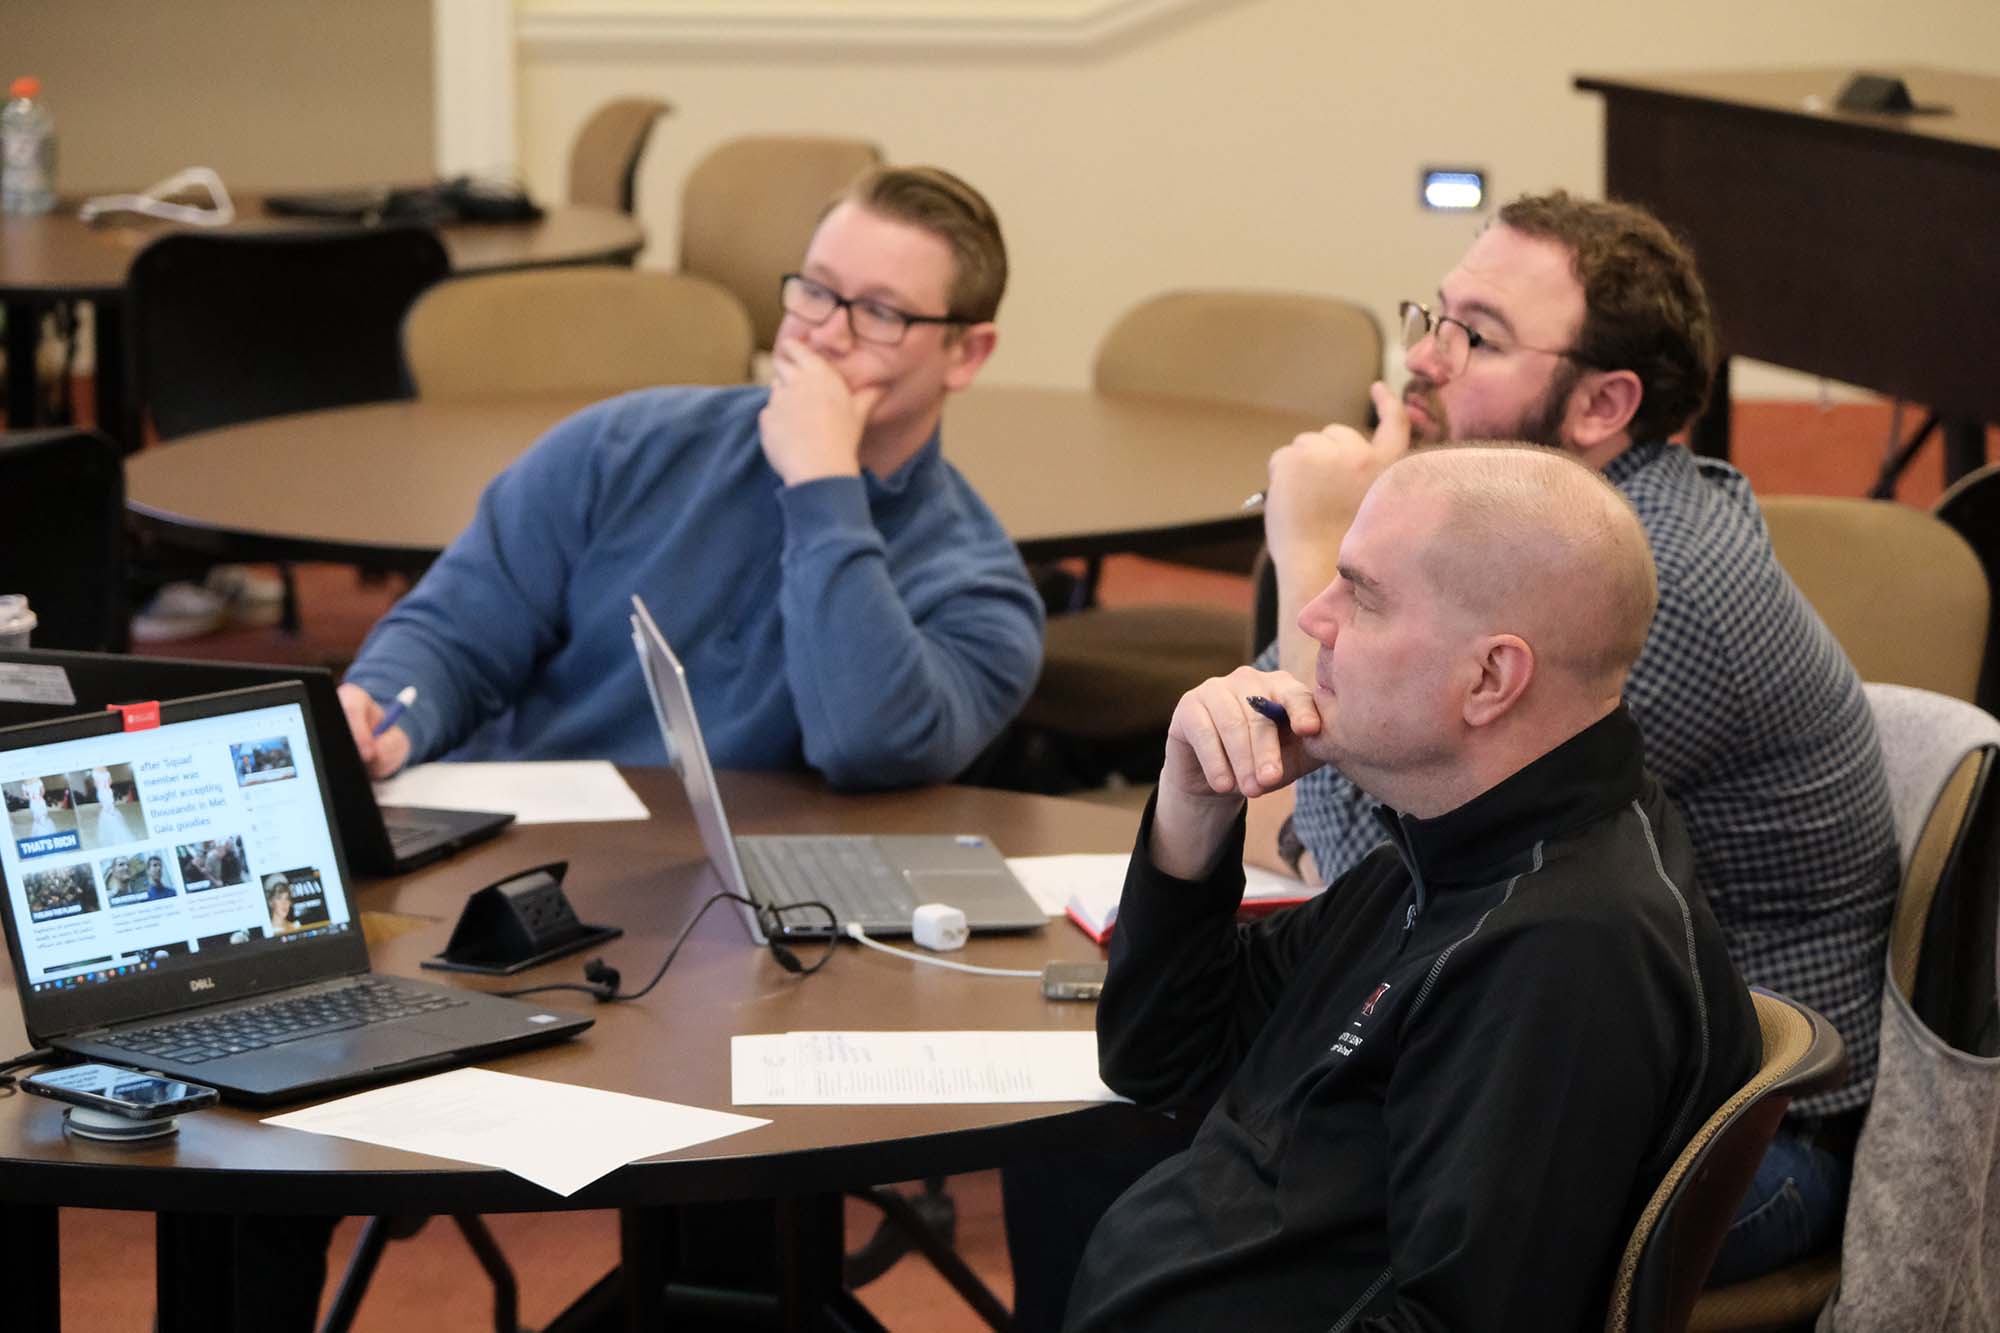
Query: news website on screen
x=129 y=852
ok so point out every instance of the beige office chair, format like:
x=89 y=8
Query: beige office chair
x=1111 y=676
x=604 y=159
x=1681 y=1228
x=589 y=331
x=750 y=206
x=1904 y=594
x=1971 y=505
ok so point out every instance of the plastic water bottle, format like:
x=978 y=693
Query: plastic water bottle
x=27 y=151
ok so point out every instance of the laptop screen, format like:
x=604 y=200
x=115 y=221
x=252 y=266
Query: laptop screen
x=153 y=869
x=673 y=709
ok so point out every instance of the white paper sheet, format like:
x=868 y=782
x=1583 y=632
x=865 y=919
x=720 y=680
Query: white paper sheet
x=1098 y=878
x=551 y=792
x=558 y=1135
x=914 y=1068
x=1050 y=880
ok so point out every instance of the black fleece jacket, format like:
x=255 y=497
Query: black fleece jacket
x=1438 y=1095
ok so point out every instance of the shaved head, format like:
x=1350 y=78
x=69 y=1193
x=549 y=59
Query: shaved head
x=1537 y=545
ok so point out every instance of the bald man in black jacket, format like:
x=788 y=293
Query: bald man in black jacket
x=1438 y=1095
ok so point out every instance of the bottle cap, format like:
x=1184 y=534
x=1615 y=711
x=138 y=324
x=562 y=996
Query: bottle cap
x=26 y=86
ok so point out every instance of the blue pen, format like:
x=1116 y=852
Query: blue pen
x=394 y=713
x=1266 y=708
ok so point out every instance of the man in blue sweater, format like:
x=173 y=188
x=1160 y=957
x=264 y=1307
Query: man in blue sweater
x=840 y=596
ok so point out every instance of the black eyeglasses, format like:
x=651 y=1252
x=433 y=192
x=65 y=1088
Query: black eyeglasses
x=869 y=320
x=1456 y=339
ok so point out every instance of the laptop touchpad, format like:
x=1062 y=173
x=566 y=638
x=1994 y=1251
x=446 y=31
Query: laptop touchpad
x=961 y=887
x=371 y=1048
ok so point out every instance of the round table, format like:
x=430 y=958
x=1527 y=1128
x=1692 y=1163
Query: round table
x=1068 y=472
x=673 y=1045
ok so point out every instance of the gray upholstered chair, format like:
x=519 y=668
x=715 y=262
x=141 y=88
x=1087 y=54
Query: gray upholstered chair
x=1940 y=755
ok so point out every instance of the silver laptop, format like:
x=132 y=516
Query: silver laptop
x=175 y=898
x=876 y=882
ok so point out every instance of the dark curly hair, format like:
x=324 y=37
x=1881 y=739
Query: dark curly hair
x=1644 y=306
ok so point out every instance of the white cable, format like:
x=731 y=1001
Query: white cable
x=156 y=201
x=854 y=932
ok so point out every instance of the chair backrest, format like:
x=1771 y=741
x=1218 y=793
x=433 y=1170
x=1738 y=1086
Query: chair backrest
x=1680 y=1230
x=598 y=331
x=237 y=326
x=1904 y=595
x=604 y=159
x=749 y=208
x=62 y=510
x=1940 y=754
x=1287 y=351
x=1971 y=505
x=1263 y=602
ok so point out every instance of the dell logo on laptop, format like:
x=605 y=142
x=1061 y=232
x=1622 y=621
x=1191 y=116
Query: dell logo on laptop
x=202 y=983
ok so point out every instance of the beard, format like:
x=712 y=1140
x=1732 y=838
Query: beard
x=1540 y=424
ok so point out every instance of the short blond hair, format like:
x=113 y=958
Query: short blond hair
x=938 y=202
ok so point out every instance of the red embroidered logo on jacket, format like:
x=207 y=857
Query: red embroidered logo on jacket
x=1380 y=991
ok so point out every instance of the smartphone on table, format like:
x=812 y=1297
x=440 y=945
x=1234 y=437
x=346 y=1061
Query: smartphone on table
x=1072 y=981
x=121 y=1092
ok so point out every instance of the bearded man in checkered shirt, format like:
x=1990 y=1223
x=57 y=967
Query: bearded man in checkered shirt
x=1583 y=326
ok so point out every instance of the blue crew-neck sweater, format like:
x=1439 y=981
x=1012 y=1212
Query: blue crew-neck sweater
x=879 y=630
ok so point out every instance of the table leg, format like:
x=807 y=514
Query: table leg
x=24 y=340
x=1964 y=448
x=223 y=1274
x=194 y=1260
x=31 y=1267
x=1709 y=436
x=793 y=1284
x=109 y=377
x=645 y=1239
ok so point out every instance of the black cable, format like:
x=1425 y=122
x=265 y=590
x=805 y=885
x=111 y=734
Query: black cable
x=602 y=979
x=41 y=1055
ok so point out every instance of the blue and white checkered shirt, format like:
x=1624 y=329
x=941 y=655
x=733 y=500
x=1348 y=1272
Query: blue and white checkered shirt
x=1755 y=723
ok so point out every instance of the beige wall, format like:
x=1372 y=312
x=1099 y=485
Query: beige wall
x=268 y=92
x=1265 y=143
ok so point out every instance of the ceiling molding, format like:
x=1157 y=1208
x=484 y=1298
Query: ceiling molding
x=556 y=26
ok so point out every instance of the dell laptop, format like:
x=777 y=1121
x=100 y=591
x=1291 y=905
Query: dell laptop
x=875 y=882
x=380 y=840
x=176 y=898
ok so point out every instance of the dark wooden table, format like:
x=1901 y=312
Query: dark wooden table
x=1068 y=472
x=674 y=1045
x=1855 y=246
x=55 y=257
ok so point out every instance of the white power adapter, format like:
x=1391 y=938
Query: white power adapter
x=939 y=927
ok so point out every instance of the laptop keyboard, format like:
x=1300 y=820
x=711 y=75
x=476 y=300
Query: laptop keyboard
x=404 y=835
x=364 y=1001
x=848 y=875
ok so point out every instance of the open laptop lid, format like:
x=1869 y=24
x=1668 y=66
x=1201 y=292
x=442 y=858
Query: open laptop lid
x=38 y=683
x=673 y=707
x=140 y=869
